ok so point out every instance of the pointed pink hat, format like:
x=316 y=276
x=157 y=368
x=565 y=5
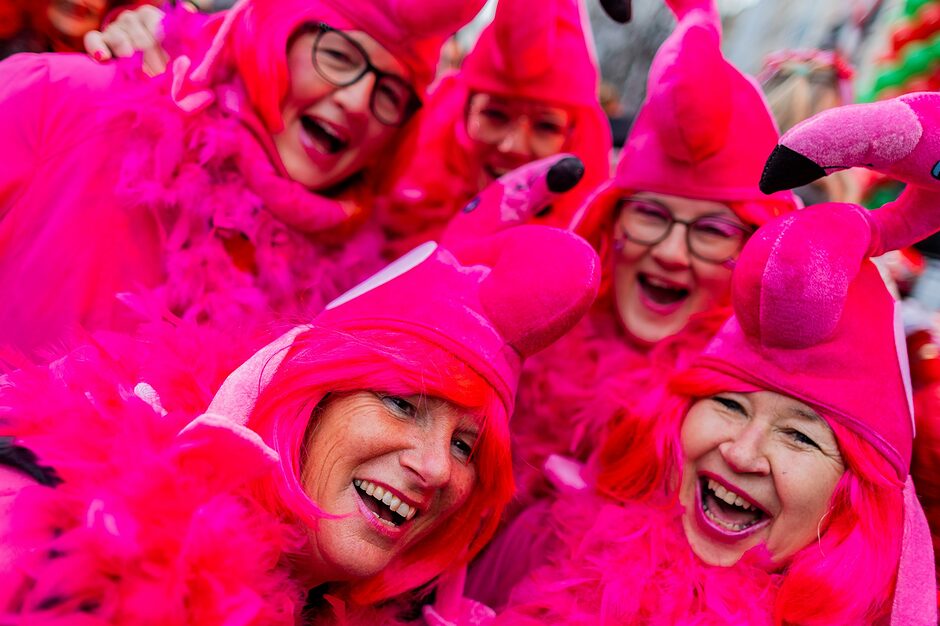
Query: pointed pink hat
x=703 y=132
x=813 y=318
x=536 y=50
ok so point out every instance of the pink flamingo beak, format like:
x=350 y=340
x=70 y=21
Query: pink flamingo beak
x=878 y=136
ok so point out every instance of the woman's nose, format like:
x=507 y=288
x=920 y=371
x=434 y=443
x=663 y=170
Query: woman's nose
x=673 y=251
x=518 y=140
x=744 y=451
x=356 y=97
x=430 y=459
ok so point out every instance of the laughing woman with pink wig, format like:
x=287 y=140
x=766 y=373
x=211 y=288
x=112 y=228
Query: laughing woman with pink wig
x=772 y=485
x=334 y=476
x=232 y=187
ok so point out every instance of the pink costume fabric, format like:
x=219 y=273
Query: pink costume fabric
x=157 y=511
x=171 y=189
x=703 y=132
x=533 y=50
x=814 y=321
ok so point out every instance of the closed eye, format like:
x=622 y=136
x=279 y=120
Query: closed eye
x=801 y=438
x=728 y=403
x=399 y=405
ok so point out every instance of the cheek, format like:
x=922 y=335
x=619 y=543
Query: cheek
x=463 y=482
x=712 y=286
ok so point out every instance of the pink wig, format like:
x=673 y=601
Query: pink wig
x=324 y=361
x=859 y=547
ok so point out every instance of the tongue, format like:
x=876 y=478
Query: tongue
x=663 y=295
x=325 y=141
x=729 y=513
x=377 y=507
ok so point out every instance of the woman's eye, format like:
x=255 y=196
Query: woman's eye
x=462 y=449
x=549 y=127
x=495 y=116
x=802 y=438
x=731 y=405
x=391 y=95
x=400 y=405
x=716 y=229
x=336 y=57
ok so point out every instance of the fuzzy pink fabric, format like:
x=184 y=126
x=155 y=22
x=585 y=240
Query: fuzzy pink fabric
x=536 y=51
x=546 y=55
x=613 y=564
x=148 y=527
x=571 y=393
x=191 y=214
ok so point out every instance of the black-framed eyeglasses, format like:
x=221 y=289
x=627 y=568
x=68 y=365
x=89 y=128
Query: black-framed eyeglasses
x=342 y=61
x=710 y=238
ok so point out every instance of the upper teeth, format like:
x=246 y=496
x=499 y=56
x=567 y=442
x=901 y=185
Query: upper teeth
x=656 y=282
x=386 y=497
x=731 y=498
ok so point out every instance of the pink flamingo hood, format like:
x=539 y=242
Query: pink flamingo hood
x=813 y=319
x=482 y=295
x=536 y=51
x=703 y=132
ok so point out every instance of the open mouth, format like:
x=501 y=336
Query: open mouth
x=384 y=505
x=728 y=511
x=323 y=138
x=661 y=292
x=73 y=9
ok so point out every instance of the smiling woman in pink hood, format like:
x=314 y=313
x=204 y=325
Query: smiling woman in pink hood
x=669 y=226
x=527 y=90
x=237 y=183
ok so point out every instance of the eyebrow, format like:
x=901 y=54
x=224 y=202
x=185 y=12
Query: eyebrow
x=809 y=416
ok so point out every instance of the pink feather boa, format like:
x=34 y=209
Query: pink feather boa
x=572 y=392
x=239 y=238
x=149 y=526
x=631 y=564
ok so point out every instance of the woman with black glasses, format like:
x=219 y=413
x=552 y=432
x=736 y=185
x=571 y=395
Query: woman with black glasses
x=234 y=186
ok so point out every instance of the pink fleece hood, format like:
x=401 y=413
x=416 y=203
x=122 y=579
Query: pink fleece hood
x=536 y=50
x=703 y=132
x=813 y=319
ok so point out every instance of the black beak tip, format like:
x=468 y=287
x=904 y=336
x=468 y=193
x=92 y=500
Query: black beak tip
x=618 y=10
x=565 y=174
x=788 y=169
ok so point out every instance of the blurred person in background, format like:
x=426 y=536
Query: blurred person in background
x=800 y=84
x=54 y=25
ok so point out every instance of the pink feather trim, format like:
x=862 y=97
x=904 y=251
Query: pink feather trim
x=631 y=564
x=148 y=527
